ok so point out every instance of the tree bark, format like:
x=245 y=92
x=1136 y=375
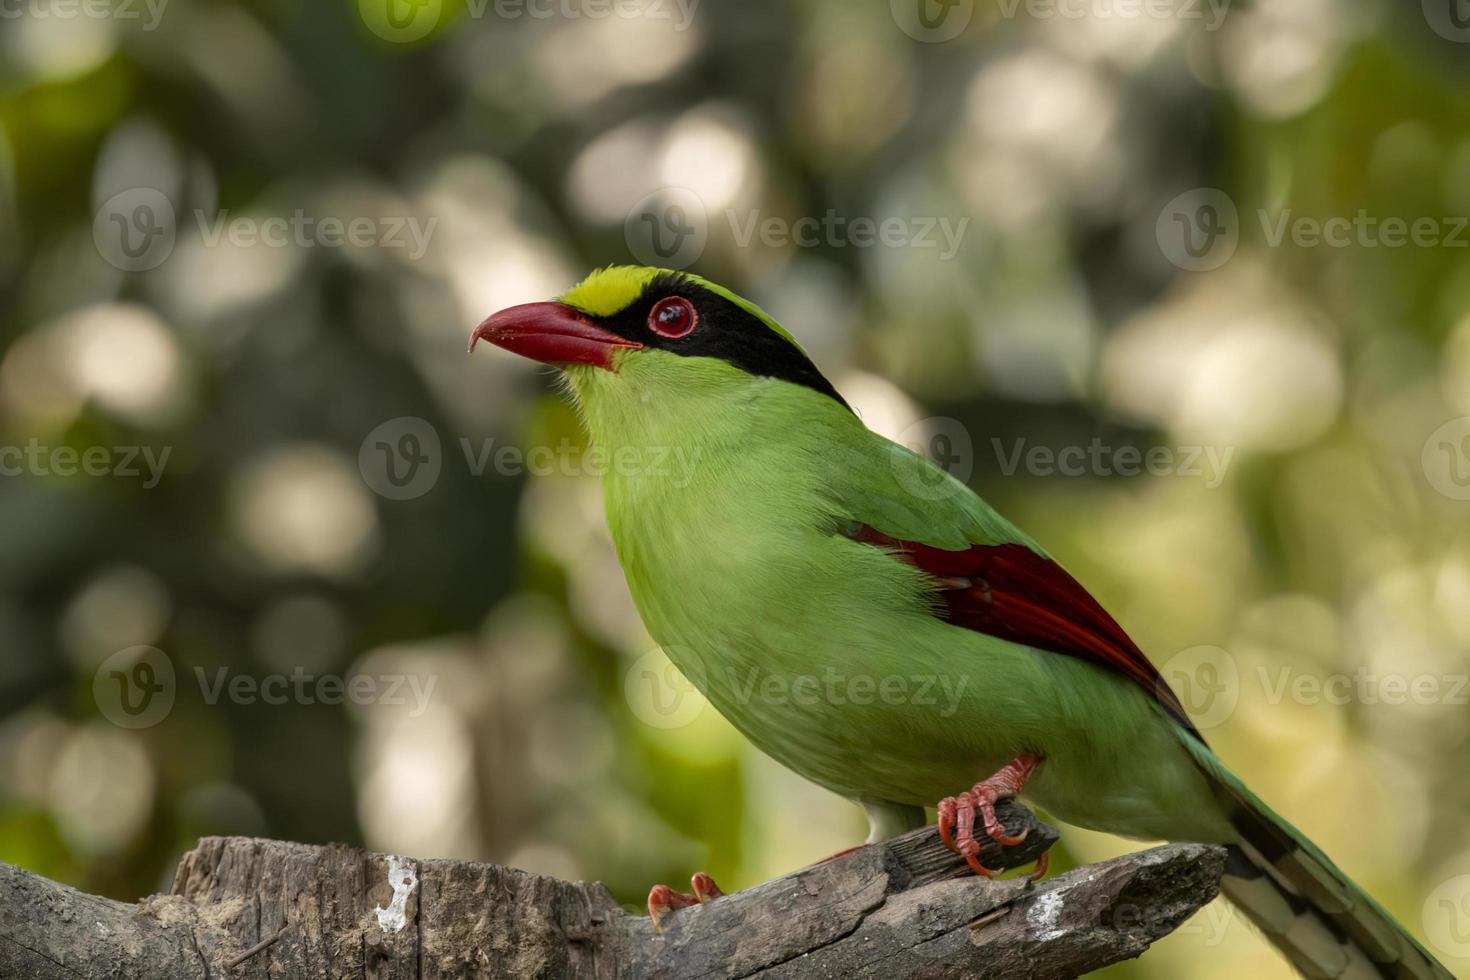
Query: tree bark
x=258 y=909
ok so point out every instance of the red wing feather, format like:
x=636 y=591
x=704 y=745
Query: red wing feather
x=1011 y=592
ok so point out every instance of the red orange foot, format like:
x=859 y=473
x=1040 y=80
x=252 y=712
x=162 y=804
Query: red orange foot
x=957 y=814
x=662 y=899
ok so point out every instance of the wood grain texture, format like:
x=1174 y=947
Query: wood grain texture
x=267 y=910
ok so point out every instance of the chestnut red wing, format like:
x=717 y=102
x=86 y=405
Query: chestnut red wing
x=1011 y=592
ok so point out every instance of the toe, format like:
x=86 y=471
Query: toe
x=994 y=829
x=964 y=829
x=999 y=835
x=705 y=888
x=972 y=858
x=946 y=823
x=659 y=904
x=662 y=900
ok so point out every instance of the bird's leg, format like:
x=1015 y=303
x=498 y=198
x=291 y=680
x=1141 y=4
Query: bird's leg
x=662 y=899
x=886 y=819
x=957 y=814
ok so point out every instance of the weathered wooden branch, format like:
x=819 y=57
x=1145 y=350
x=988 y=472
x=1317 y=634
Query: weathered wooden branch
x=258 y=909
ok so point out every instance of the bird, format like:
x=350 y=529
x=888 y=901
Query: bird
x=804 y=554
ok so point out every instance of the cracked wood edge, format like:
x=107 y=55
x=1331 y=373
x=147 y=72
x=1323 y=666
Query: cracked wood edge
x=249 y=909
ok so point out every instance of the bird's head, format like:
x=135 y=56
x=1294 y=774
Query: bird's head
x=639 y=345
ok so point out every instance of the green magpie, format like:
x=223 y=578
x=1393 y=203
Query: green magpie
x=806 y=546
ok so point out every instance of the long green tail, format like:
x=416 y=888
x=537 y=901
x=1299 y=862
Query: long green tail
x=1328 y=927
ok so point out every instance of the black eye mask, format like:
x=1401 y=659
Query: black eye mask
x=724 y=331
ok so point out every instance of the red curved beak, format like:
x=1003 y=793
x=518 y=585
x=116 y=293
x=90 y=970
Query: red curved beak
x=553 y=333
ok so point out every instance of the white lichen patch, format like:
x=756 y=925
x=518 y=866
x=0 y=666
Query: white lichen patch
x=1044 y=914
x=403 y=880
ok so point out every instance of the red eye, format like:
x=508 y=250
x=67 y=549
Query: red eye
x=673 y=317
